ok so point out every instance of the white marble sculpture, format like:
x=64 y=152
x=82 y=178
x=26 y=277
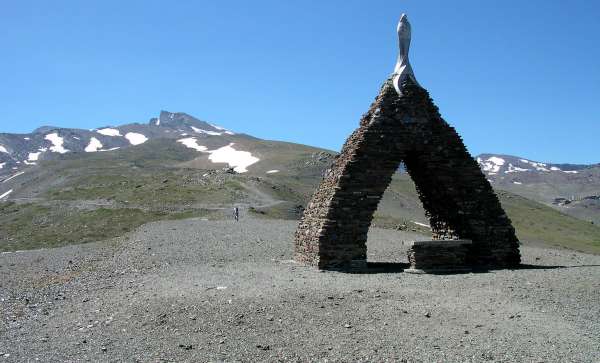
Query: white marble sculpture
x=403 y=70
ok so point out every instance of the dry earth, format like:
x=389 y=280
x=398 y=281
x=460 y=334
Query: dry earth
x=197 y=290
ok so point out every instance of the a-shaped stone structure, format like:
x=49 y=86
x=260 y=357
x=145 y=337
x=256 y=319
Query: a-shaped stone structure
x=403 y=125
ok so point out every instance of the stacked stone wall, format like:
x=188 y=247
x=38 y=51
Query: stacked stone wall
x=456 y=195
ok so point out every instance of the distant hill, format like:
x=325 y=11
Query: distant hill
x=17 y=151
x=570 y=188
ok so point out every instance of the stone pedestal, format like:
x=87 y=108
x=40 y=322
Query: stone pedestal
x=439 y=256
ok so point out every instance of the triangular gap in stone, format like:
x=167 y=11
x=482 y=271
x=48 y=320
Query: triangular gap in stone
x=399 y=220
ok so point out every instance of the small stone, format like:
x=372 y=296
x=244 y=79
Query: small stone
x=263 y=347
x=427 y=314
x=347 y=326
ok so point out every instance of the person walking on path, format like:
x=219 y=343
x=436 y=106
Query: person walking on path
x=236 y=213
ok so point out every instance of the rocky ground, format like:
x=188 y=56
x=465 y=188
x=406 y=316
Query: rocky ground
x=198 y=290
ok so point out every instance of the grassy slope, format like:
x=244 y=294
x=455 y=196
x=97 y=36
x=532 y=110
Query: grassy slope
x=536 y=222
x=35 y=226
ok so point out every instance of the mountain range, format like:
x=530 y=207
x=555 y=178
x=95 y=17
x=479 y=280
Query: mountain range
x=55 y=180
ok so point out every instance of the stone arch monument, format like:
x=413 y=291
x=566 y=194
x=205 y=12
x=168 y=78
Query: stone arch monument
x=403 y=125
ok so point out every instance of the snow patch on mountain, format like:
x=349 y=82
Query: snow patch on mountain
x=93 y=146
x=6 y=194
x=34 y=156
x=273 y=171
x=239 y=160
x=192 y=143
x=218 y=127
x=536 y=165
x=492 y=164
x=225 y=131
x=14 y=176
x=3 y=149
x=135 y=138
x=514 y=169
x=57 y=143
x=2 y=165
x=208 y=132
x=109 y=132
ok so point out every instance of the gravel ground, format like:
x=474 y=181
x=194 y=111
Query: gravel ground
x=197 y=290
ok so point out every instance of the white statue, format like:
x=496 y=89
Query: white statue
x=403 y=70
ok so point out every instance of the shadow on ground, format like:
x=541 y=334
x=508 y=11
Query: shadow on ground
x=398 y=267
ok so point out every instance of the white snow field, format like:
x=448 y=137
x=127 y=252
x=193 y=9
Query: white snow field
x=135 y=138
x=5 y=194
x=237 y=159
x=93 y=146
x=192 y=143
x=208 y=132
x=34 y=156
x=57 y=143
x=14 y=176
x=109 y=132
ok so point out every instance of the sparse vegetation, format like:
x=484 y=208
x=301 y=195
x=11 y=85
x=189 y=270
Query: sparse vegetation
x=538 y=223
x=27 y=226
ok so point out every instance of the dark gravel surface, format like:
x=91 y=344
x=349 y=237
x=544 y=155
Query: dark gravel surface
x=198 y=291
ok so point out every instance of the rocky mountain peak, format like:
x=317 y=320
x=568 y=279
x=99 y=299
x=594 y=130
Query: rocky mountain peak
x=177 y=119
x=45 y=129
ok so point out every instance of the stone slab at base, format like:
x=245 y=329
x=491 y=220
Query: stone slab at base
x=438 y=256
x=440 y=243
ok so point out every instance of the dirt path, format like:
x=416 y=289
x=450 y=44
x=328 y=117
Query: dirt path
x=266 y=199
x=199 y=291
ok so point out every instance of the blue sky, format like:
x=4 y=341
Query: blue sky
x=514 y=77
